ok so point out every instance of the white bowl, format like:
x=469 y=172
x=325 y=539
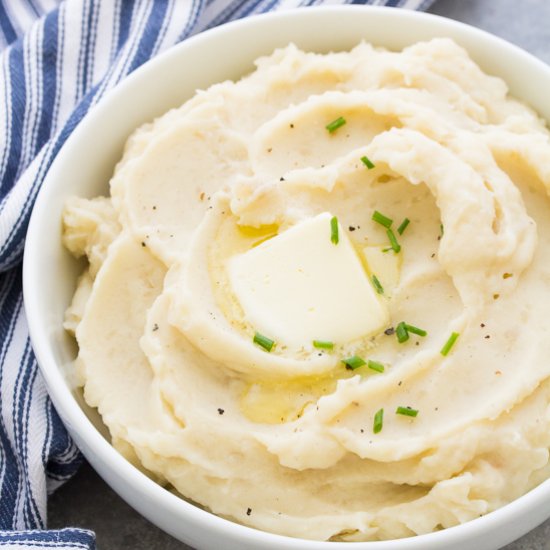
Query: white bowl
x=83 y=167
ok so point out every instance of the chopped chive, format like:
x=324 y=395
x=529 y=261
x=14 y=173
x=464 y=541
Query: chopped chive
x=381 y=219
x=401 y=332
x=406 y=411
x=375 y=365
x=415 y=330
x=263 y=341
x=334 y=237
x=449 y=344
x=353 y=362
x=387 y=249
x=442 y=229
x=367 y=162
x=376 y=283
x=323 y=344
x=393 y=241
x=335 y=124
x=403 y=226
x=378 y=421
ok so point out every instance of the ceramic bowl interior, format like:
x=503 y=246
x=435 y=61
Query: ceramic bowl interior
x=84 y=166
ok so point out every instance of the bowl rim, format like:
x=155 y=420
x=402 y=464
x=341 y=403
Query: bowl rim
x=103 y=453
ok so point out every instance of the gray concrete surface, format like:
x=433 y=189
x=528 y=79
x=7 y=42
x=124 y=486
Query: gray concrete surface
x=86 y=501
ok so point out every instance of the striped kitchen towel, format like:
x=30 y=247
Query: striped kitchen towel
x=58 y=58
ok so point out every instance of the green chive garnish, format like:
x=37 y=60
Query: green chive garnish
x=263 y=341
x=381 y=219
x=415 y=330
x=403 y=226
x=378 y=421
x=334 y=237
x=442 y=229
x=354 y=362
x=335 y=124
x=406 y=411
x=401 y=332
x=376 y=283
x=375 y=365
x=323 y=344
x=449 y=344
x=393 y=241
x=367 y=162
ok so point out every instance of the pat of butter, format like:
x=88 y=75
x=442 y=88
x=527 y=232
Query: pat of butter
x=299 y=286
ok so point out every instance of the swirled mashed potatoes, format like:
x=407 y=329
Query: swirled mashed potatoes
x=251 y=335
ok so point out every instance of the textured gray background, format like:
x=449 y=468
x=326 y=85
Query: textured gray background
x=86 y=501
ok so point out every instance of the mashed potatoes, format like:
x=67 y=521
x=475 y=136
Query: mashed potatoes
x=317 y=298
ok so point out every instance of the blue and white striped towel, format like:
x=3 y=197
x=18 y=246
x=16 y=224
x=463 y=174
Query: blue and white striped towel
x=58 y=58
